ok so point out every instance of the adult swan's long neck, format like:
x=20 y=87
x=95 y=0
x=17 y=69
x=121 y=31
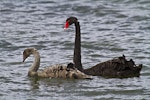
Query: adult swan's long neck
x=77 y=48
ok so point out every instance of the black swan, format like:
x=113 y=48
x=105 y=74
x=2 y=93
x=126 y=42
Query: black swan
x=56 y=71
x=117 y=68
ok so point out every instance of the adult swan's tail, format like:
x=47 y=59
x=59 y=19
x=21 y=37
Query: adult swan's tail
x=118 y=67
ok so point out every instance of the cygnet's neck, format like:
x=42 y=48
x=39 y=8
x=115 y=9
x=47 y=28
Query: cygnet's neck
x=36 y=62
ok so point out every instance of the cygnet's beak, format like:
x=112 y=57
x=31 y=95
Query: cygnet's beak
x=24 y=58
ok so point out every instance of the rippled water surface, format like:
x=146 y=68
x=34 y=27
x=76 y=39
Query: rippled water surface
x=109 y=29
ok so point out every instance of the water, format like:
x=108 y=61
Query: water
x=109 y=29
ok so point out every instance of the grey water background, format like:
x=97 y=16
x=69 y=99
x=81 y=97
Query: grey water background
x=109 y=29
